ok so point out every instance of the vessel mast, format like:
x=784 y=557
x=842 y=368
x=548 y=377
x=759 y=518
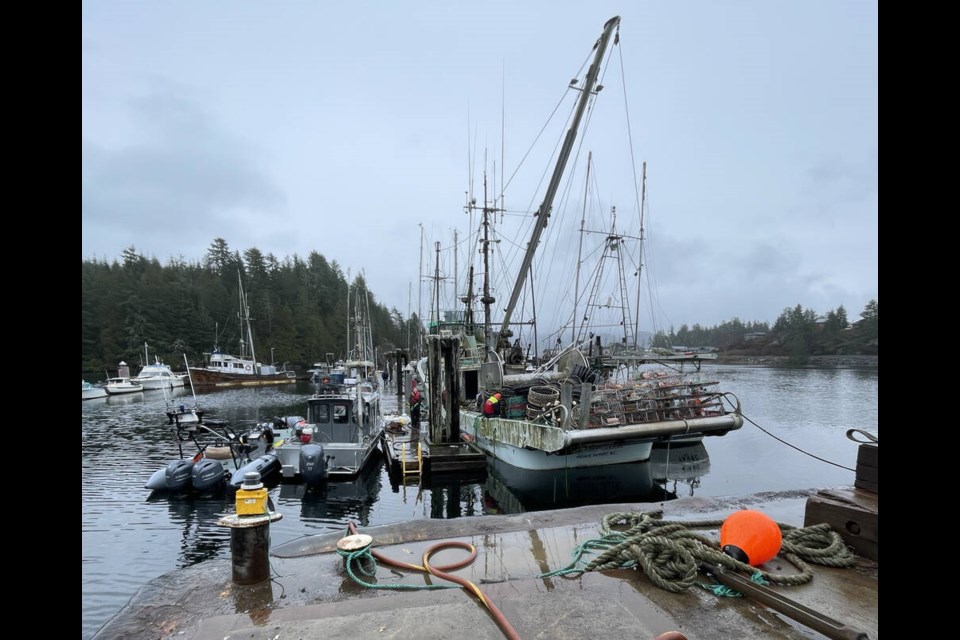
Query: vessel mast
x=543 y=212
x=643 y=200
x=245 y=318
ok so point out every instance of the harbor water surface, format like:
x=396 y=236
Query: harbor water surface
x=794 y=438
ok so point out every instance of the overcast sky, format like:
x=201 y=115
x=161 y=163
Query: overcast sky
x=342 y=127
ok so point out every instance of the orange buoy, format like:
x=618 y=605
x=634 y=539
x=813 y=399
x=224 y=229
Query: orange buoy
x=751 y=537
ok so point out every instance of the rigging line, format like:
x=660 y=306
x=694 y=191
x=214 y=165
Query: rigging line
x=556 y=108
x=566 y=92
x=633 y=160
x=561 y=207
x=543 y=176
x=782 y=441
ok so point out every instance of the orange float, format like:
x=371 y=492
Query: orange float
x=751 y=537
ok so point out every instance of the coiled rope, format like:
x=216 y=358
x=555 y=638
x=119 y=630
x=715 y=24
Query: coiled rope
x=671 y=553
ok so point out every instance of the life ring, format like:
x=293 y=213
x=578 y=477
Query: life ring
x=248 y=367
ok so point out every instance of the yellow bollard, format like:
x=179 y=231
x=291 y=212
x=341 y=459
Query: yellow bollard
x=251 y=496
x=250 y=532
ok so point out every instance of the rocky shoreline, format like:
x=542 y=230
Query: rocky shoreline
x=814 y=362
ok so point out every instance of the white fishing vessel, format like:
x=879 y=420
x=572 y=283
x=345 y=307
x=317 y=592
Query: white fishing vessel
x=586 y=405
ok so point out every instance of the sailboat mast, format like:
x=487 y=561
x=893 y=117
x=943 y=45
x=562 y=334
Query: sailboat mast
x=368 y=331
x=643 y=199
x=543 y=212
x=349 y=333
x=583 y=223
x=245 y=318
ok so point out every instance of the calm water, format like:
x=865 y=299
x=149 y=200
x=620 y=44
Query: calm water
x=129 y=539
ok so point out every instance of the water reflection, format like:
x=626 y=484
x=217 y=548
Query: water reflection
x=510 y=489
x=679 y=468
x=336 y=503
x=450 y=496
x=201 y=538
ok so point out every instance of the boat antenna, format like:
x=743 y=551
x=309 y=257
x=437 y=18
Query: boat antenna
x=543 y=212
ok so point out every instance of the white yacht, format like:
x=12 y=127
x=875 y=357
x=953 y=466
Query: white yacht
x=158 y=375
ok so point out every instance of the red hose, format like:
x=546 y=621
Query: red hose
x=440 y=572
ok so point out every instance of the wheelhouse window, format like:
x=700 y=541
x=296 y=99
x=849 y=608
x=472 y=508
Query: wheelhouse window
x=320 y=414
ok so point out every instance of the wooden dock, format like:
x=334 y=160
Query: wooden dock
x=410 y=453
x=853 y=513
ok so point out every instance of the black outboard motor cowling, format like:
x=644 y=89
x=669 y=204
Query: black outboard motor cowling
x=208 y=474
x=178 y=474
x=174 y=477
x=313 y=466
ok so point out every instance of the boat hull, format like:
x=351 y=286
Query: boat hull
x=115 y=390
x=206 y=378
x=266 y=465
x=537 y=447
x=531 y=445
x=342 y=460
x=155 y=383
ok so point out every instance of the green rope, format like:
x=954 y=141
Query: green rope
x=671 y=554
x=367 y=565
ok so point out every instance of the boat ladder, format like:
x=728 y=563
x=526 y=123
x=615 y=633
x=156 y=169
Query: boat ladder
x=410 y=463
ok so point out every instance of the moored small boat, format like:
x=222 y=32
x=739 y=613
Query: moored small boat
x=221 y=455
x=91 y=391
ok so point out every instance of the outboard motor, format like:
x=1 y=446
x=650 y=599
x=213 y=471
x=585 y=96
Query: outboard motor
x=207 y=474
x=313 y=466
x=174 y=477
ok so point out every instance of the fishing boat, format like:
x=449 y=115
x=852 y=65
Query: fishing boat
x=344 y=422
x=579 y=405
x=224 y=370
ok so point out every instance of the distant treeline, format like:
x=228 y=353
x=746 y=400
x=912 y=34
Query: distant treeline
x=299 y=313
x=798 y=333
x=298 y=309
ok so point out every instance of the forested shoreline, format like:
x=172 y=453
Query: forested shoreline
x=299 y=312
